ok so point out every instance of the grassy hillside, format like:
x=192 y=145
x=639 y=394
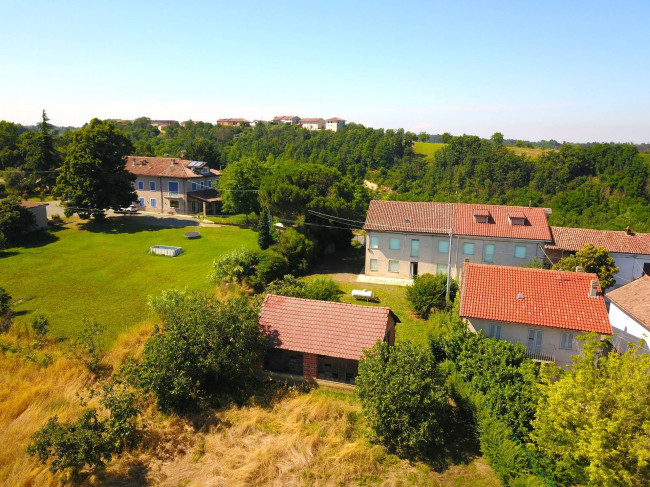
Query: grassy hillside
x=532 y=152
x=427 y=149
x=104 y=271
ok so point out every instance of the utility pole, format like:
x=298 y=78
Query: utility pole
x=451 y=234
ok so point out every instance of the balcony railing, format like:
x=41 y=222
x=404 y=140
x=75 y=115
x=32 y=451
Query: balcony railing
x=172 y=194
x=539 y=356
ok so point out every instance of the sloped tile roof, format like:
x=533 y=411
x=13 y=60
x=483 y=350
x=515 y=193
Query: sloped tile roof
x=555 y=299
x=335 y=119
x=311 y=120
x=405 y=216
x=284 y=117
x=163 y=167
x=208 y=195
x=32 y=204
x=323 y=327
x=573 y=239
x=634 y=299
x=535 y=225
x=243 y=120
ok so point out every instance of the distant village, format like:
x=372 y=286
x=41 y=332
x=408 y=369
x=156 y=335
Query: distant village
x=333 y=124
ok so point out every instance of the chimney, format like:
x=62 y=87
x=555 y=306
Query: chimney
x=593 y=290
x=628 y=230
x=579 y=269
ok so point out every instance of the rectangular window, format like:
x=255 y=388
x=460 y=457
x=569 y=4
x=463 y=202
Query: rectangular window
x=173 y=188
x=374 y=242
x=393 y=266
x=152 y=186
x=520 y=251
x=495 y=331
x=441 y=269
x=174 y=204
x=443 y=246
x=193 y=186
x=415 y=248
x=140 y=184
x=566 y=342
x=141 y=201
x=488 y=255
x=394 y=244
x=373 y=264
x=468 y=248
x=153 y=202
x=535 y=340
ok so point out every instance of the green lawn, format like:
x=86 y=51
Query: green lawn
x=428 y=149
x=104 y=271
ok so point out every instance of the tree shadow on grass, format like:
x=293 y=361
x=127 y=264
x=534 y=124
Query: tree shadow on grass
x=133 y=474
x=32 y=240
x=349 y=261
x=114 y=227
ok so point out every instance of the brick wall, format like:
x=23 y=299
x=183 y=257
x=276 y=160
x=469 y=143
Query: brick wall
x=309 y=366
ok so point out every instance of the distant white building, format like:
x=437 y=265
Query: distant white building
x=629 y=313
x=312 y=123
x=334 y=124
x=40 y=213
x=159 y=124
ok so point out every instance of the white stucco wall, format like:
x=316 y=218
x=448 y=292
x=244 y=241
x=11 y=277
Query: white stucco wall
x=622 y=321
x=630 y=267
x=40 y=212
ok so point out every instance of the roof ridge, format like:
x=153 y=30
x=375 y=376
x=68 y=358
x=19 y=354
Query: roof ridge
x=328 y=302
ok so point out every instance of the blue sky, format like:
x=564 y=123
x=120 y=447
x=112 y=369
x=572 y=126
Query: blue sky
x=574 y=71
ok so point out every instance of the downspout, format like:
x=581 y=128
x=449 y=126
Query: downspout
x=162 y=198
x=451 y=234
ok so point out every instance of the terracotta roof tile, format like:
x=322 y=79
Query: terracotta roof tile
x=634 y=299
x=323 y=327
x=233 y=120
x=169 y=167
x=535 y=225
x=573 y=239
x=404 y=216
x=335 y=119
x=311 y=120
x=555 y=299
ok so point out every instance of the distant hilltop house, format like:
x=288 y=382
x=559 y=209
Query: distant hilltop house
x=630 y=251
x=544 y=310
x=172 y=185
x=321 y=340
x=334 y=124
x=233 y=122
x=39 y=210
x=255 y=122
x=312 y=123
x=159 y=124
x=629 y=314
x=406 y=239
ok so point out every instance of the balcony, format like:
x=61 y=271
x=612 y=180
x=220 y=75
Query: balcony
x=172 y=194
x=538 y=356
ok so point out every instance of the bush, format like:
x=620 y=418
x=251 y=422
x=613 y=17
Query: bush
x=201 y=346
x=287 y=286
x=40 y=325
x=234 y=266
x=93 y=438
x=5 y=301
x=15 y=219
x=429 y=291
x=323 y=288
x=272 y=265
x=404 y=398
x=298 y=250
x=88 y=346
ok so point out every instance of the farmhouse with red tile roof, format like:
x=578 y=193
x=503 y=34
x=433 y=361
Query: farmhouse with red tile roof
x=234 y=122
x=630 y=251
x=405 y=239
x=172 y=185
x=322 y=339
x=542 y=309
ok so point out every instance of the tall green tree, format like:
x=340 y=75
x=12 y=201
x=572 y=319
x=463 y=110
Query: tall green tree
x=41 y=156
x=591 y=259
x=93 y=177
x=264 y=239
x=240 y=182
x=594 y=420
